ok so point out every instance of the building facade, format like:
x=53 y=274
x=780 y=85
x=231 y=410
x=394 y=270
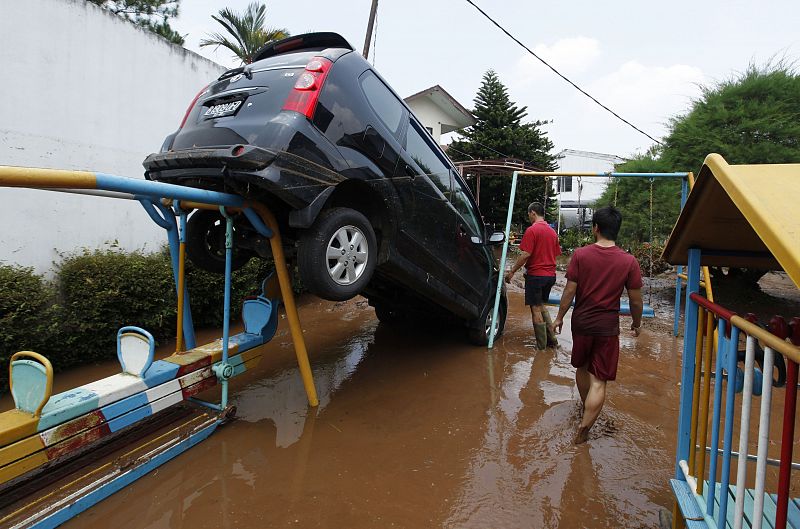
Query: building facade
x=577 y=195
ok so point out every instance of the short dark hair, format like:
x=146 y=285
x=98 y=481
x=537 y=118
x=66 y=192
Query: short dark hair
x=537 y=207
x=608 y=220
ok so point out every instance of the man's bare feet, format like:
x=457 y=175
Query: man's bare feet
x=581 y=436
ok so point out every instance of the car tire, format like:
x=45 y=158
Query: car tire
x=336 y=256
x=478 y=332
x=205 y=243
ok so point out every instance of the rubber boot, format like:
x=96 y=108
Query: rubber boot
x=552 y=341
x=540 y=329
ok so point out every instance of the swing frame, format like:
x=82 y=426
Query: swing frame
x=685 y=178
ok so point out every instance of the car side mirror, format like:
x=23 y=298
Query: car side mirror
x=496 y=238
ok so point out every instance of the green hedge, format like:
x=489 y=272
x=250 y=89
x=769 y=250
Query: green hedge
x=75 y=319
x=27 y=315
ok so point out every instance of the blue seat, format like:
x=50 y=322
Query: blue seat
x=31 y=381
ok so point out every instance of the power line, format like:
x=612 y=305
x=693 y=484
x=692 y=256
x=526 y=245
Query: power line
x=581 y=90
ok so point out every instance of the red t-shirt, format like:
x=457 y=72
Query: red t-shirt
x=541 y=241
x=601 y=274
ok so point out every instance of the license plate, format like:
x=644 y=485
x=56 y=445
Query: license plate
x=222 y=109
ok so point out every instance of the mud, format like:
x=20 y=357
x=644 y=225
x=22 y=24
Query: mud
x=416 y=428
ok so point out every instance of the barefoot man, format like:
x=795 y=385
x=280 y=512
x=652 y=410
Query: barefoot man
x=596 y=275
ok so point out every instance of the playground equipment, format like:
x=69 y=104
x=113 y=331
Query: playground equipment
x=740 y=216
x=555 y=298
x=45 y=477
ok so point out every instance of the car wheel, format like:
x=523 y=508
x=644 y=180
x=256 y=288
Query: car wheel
x=478 y=332
x=336 y=255
x=205 y=243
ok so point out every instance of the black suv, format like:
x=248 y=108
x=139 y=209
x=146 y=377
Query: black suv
x=367 y=201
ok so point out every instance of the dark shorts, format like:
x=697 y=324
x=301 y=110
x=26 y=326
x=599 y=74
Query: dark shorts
x=537 y=289
x=600 y=355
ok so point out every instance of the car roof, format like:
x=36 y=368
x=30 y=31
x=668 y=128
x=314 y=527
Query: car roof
x=302 y=42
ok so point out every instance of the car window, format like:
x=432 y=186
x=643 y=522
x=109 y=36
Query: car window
x=383 y=101
x=464 y=207
x=422 y=151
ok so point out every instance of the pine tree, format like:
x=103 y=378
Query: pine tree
x=151 y=14
x=501 y=133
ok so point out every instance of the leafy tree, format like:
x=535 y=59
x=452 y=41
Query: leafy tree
x=750 y=119
x=501 y=133
x=632 y=197
x=246 y=32
x=151 y=14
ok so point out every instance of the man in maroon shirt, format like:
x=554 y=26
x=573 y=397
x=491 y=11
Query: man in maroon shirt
x=596 y=275
x=539 y=249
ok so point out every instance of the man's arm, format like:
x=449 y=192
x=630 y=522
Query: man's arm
x=637 y=306
x=519 y=263
x=566 y=302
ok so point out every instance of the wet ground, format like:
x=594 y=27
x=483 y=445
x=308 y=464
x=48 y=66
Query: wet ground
x=416 y=428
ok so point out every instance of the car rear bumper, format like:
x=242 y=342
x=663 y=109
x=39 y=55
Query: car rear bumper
x=245 y=169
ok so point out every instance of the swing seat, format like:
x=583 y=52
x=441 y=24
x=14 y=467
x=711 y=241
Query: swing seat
x=260 y=313
x=624 y=307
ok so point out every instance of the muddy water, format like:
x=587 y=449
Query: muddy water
x=417 y=429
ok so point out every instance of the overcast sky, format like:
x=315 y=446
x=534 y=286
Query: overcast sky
x=645 y=60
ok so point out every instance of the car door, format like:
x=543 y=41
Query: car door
x=427 y=238
x=474 y=259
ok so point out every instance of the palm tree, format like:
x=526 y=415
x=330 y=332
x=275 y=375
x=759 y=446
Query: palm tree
x=247 y=31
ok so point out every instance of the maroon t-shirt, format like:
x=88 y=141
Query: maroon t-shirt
x=601 y=274
x=541 y=241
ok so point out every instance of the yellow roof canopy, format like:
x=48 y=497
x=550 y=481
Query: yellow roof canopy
x=745 y=216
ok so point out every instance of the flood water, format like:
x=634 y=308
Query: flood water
x=418 y=429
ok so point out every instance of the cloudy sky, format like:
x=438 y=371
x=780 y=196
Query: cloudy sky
x=645 y=60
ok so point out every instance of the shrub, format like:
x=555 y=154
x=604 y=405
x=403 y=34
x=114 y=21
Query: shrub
x=27 y=315
x=103 y=290
x=573 y=238
x=642 y=253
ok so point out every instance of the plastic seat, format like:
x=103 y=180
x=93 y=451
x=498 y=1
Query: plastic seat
x=31 y=381
x=135 y=350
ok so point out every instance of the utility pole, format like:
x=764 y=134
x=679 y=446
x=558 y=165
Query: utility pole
x=372 y=12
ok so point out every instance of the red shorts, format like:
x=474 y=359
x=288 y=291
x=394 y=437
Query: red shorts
x=600 y=355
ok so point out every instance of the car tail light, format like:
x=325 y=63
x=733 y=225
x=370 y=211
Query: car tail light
x=303 y=97
x=191 y=105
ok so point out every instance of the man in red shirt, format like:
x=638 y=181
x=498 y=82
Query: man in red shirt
x=596 y=275
x=539 y=248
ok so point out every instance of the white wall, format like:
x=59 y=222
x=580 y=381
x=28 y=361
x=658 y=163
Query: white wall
x=429 y=115
x=84 y=90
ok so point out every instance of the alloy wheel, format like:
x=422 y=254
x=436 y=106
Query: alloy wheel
x=347 y=254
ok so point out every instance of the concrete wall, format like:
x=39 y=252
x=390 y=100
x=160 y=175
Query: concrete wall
x=84 y=90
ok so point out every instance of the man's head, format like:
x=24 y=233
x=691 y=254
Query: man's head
x=535 y=211
x=606 y=222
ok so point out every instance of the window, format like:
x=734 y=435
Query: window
x=382 y=101
x=564 y=184
x=464 y=207
x=421 y=150
x=430 y=130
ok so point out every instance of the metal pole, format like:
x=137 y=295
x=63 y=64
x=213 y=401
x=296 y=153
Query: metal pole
x=501 y=274
x=687 y=370
x=371 y=24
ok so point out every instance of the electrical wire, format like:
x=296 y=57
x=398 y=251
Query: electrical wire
x=581 y=90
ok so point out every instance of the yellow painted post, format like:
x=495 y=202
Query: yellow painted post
x=288 y=301
x=698 y=361
x=701 y=436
